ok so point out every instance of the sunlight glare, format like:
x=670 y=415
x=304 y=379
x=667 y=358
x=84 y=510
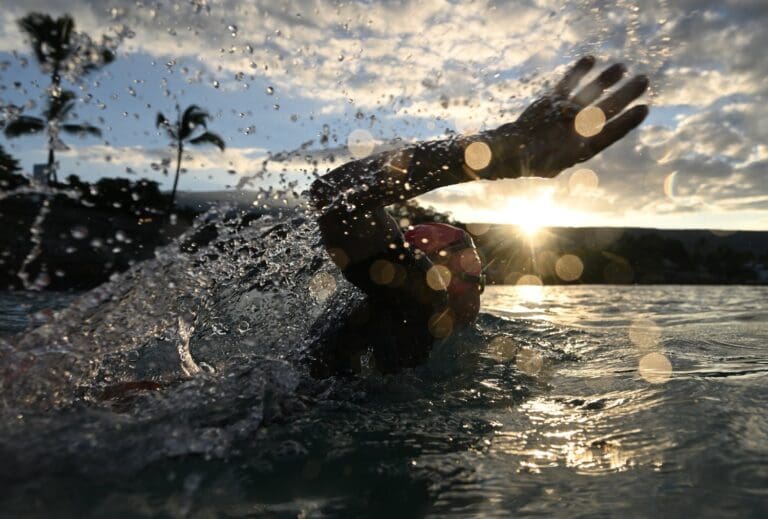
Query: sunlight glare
x=529 y=288
x=532 y=215
x=530 y=228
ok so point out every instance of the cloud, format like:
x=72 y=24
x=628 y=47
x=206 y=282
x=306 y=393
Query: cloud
x=413 y=69
x=230 y=165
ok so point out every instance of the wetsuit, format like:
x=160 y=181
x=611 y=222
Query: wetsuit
x=399 y=316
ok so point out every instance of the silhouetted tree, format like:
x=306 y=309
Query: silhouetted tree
x=8 y=164
x=8 y=168
x=59 y=109
x=58 y=47
x=186 y=129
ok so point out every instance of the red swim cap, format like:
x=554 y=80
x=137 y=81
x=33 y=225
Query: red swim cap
x=454 y=249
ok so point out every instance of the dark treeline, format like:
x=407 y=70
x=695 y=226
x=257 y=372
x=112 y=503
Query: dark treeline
x=623 y=256
x=87 y=230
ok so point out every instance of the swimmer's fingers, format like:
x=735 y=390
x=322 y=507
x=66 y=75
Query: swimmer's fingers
x=615 y=130
x=604 y=81
x=573 y=76
x=621 y=98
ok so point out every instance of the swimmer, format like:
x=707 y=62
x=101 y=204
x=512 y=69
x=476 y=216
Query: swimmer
x=424 y=285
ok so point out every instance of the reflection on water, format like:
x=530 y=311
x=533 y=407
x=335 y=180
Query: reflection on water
x=20 y=310
x=580 y=400
x=662 y=376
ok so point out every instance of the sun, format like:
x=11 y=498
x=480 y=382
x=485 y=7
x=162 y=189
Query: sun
x=529 y=228
x=533 y=215
x=530 y=215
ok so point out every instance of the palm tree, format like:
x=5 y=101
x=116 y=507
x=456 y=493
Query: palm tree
x=59 y=109
x=8 y=164
x=58 y=47
x=187 y=130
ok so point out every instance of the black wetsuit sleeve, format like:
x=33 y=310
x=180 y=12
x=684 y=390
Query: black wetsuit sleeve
x=360 y=235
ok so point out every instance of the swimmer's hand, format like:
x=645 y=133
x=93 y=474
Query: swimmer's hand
x=565 y=128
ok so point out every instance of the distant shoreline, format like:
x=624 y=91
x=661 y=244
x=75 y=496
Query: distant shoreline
x=598 y=255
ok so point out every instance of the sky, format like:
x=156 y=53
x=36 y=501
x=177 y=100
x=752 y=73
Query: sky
x=296 y=88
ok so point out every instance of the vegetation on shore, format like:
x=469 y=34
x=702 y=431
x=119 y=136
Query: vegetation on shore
x=186 y=130
x=58 y=48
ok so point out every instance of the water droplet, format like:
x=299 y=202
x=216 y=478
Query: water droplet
x=322 y=286
x=79 y=232
x=589 y=121
x=502 y=348
x=382 y=272
x=477 y=155
x=583 y=181
x=360 y=143
x=644 y=334
x=569 y=267
x=529 y=280
x=478 y=229
x=439 y=277
x=339 y=257
x=655 y=368
x=440 y=325
x=529 y=361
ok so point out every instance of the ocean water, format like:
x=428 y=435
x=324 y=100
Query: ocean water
x=175 y=391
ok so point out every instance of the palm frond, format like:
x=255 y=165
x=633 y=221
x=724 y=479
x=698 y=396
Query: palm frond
x=65 y=26
x=193 y=117
x=189 y=110
x=164 y=123
x=106 y=56
x=38 y=27
x=81 y=129
x=51 y=39
x=24 y=125
x=60 y=106
x=209 y=138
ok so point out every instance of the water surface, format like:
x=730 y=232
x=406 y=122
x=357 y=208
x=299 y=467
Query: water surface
x=174 y=391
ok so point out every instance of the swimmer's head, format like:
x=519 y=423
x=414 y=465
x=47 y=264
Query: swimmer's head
x=452 y=250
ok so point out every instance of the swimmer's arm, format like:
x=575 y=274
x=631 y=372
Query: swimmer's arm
x=542 y=142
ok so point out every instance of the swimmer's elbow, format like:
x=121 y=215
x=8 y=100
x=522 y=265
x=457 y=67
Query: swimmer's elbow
x=318 y=193
x=325 y=189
